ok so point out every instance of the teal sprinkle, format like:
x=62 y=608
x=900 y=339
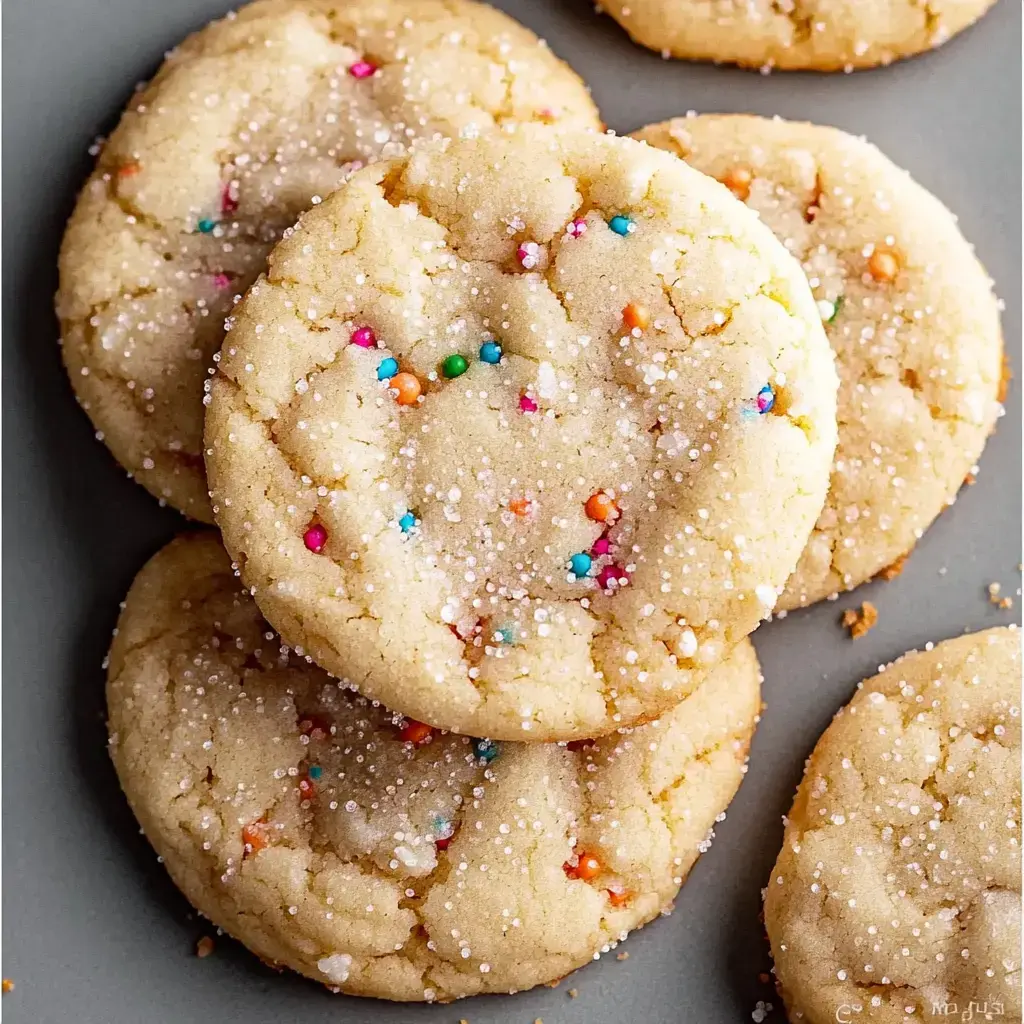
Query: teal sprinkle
x=206 y=225
x=315 y=771
x=490 y=352
x=621 y=225
x=407 y=522
x=580 y=564
x=485 y=750
x=507 y=634
x=387 y=369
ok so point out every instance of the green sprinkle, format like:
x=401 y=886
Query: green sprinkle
x=454 y=366
x=836 y=306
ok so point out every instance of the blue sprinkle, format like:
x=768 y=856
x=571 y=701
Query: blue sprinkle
x=206 y=225
x=407 y=522
x=315 y=771
x=507 y=634
x=765 y=399
x=490 y=352
x=485 y=750
x=387 y=369
x=621 y=225
x=580 y=564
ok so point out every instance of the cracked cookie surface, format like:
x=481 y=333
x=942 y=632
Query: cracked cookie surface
x=909 y=312
x=375 y=855
x=821 y=35
x=519 y=454
x=898 y=886
x=245 y=123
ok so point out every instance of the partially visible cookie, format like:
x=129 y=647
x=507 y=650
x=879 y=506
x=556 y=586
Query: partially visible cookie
x=909 y=312
x=522 y=455
x=898 y=889
x=370 y=853
x=819 y=35
x=246 y=123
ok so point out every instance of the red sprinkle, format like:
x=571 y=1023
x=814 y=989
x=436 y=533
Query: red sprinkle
x=443 y=844
x=612 y=576
x=228 y=199
x=416 y=732
x=315 y=538
x=364 y=337
x=254 y=838
x=527 y=404
x=362 y=69
x=306 y=789
x=221 y=282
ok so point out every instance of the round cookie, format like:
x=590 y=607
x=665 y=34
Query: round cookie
x=371 y=854
x=559 y=542
x=820 y=35
x=245 y=125
x=897 y=891
x=910 y=314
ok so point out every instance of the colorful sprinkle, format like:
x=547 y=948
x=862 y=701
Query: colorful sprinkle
x=738 y=180
x=221 y=282
x=315 y=538
x=485 y=750
x=765 y=399
x=601 y=508
x=546 y=115
x=407 y=522
x=601 y=547
x=636 y=317
x=454 y=366
x=254 y=838
x=306 y=789
x=621 y=225
x=836 y=306
x=490 y=352
x=619 y=897
x=580 y=564
x=387 y=369
x=506 y=635
x=443 y=843
x=315 y=771
x=883 y=266
x=520 y=506
x=528 y=255
x=229 y=198
x=527 y=404
x=416 y=732
x=577 y=228
x=407 y=388
x=206 y=225
x=587 y=867
x=364 y=337
x=129 y=169
x=612 y=576
x=443 y=831
x=362 y=69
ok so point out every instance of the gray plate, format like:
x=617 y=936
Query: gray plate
x=93 y=930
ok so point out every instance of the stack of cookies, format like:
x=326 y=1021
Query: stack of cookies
x=514 y=431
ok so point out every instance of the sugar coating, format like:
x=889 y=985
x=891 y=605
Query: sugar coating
x=897 y=891
x=246 y=123
x=918 y=356
x=823 y=35
x=406 y=872
x=445 y=589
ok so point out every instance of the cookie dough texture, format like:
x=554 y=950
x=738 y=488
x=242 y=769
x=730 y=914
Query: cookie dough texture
x=897 y=891
x=822 y=35
x=246 y=122
x=471 y=620
x=214 y=728
x=919 y=357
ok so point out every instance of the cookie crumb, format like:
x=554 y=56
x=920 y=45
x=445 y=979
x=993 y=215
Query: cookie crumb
x=764 y=978
x=622 y=956
x=890 y=572
x=994 y=590
x=6 y=986
x=573 y=993
x=761 y=1011
x=1005 y=376
x=859 y=622
x=204 y=947
x=970 y=480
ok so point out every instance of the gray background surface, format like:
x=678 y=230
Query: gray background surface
x=93 y=931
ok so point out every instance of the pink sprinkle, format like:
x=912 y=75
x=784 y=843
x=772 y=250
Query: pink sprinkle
x=527 y=404
x=364 y=337
x=229 y=198
x=612 y=576
x=528 y=255
x=221 y=282
x=315 y=538
x=577 y=227
x=601 y=547
x=362 y=69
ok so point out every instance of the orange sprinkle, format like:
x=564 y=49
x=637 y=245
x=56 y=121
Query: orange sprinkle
x=883 y=266
x=128 y=169
x=738 y=180
x=587 y=867
x=406 y=387
x=619 y=897
x=254 y=838
x=601 y=508
x=635 y=315
x=520 y=506
x=416 y=732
